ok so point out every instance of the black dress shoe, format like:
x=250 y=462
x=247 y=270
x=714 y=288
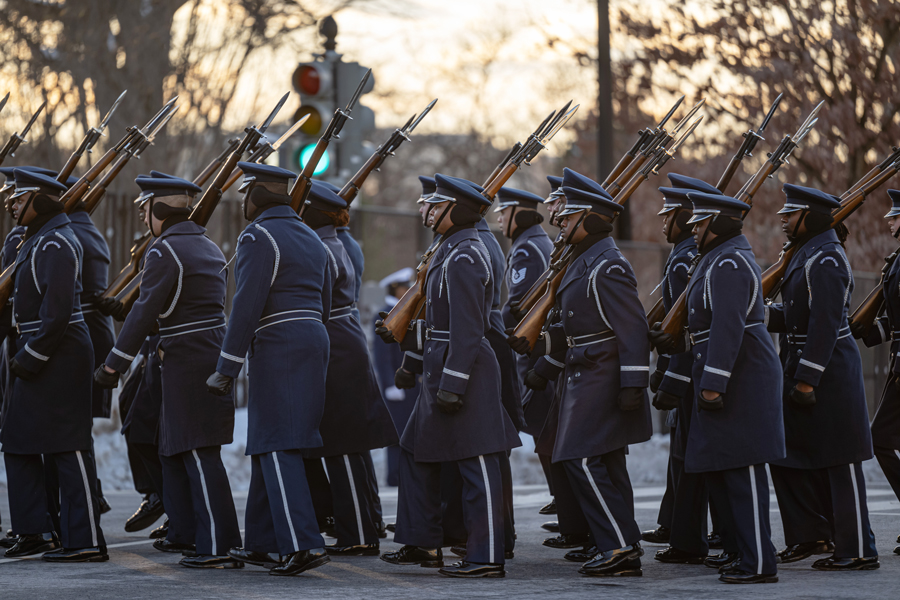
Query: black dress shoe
x=299 y=562
x=208 y=561
x=563 y=542
x=742 y=577
x=897 y=550
x=461 y=552
x=8 y=542
x=714 y=541
x=548 y=509
x=678 y=557
x=413 y=555
x=252 y=557
x=799 y=552
x=473 y=570
x=392 y=527
x=37 y=543
x=104 y=505
x=582 y=555
x=614 y=560
x=831 y=563
x=164 y=545
x=76 y=555
x=626 y=568
x=660 y=535
x=718 y=561
x=551 y=526
x=357 y=550
x=381 y=530
x=146 y=515
x=326 y=527
x=160 y=532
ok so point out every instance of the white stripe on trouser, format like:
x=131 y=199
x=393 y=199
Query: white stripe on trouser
x=759 y=559
x=609 y=514
x=287 y=511
x=90 y=500
x=859 y=531
x=362 y=537
x=490 y=510
x=212 y=522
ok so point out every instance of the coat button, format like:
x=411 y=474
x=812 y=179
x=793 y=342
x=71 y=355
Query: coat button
x=795 y=328
x=792 y=302
x=577 y=373
x=692 y=311
x=428 y=374
x=571 y=314
x=429 y=351
x=799 y=352
x=429 y=302
x=698 y=355
x=569 y=380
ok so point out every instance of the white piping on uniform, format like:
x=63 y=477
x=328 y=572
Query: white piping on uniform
x=603 y=505
x=277 y=252
x=180 y=280
x=231 y=357
x=362 y=537
x=539 y=253
x=490 y=510
x=456 y=373
x=212 y=521
x=72 y=248
x=677 y=376
x=287 y=511
x=118 y=352
x=759 y=559
x=555 y=363
x=812 y=365
x=90 y=500
x=40 y=357
x=859 y=529
x=715 y=371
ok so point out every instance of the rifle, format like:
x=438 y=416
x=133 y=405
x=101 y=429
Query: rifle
x=87 y=143
x=211 y=196
x=304 y=182
x=411 y=304
x=263 y=150
x=644 y=137
x=531 y=325
x=129 y=271
x=4 y=101
x=15 y=139
x=676 y=319
x=751 y=138
x=352 y=187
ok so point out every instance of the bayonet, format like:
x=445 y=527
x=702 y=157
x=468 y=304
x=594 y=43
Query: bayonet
x=666 y=154
x=808 y=124
x=684 y=120
x=265 y=124
x=409 y=128
x=33 y=119
x=357 y=93
x=770 y=114
x=3 y=102
x=669 y=114
x=17 y=138
x=560 y=124
x=287 y=134
x=105 y=120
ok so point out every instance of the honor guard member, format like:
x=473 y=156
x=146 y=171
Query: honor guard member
x=458 y=416
x=886 y=424
x=682 y=516
x=283 y=291
x=820 y=485
x=183 y=290
x=604 y=405
x=49 y=410
x=387 y=359
x=738 y=426
x=355 y=420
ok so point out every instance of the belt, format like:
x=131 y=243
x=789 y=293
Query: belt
x=88 y=307
x=32 y=326
x=192 y=327
x=437 y=335
x=895 y=336
x=591 y=338
x=798 y=339
x=339 y=313
x=703 y=336
x=300 y=314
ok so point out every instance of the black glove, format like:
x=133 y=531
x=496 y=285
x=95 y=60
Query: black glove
x=704 y=404
x=104 y=379
x=666 y=343
x=802 y=398
x=665 y=401
x=21 y=372
x=404 y=380
x=112 y=308
x=858 y=330
x=519 y=344
x=656 y=379
x=515 y=312
x=448 y=402
x=535 y=382
x=218 y=384
x=630 y=398
x=383 y=332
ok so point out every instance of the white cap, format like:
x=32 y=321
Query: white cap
x=404 y=275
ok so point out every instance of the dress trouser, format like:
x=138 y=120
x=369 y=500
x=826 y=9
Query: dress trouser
x=280 y=518
x=667 y=505
x=742 y=498
x=198 y=501
x=319 y=488
x=148 y=457
x=569 y=515
x=79 y=515
x=393 y=465
x=354 y=506
x=689 y=509
x=604 y=492
x=372 y=482
x=546 y=461
x=804 y=500
x=889 y=460
x=452 y=505
x=419 y=506
x=139 y=476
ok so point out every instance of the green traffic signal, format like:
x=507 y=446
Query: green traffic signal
x=303 y=154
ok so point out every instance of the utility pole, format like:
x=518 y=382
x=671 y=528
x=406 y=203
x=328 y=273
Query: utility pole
x=605 y=159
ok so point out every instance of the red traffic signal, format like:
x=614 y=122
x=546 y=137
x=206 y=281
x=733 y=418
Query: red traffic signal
x=307 y=80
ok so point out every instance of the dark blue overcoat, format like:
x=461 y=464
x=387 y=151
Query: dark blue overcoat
x=142 y=421
x=95 y=273
x=355 y=417
x=603 y=318
x=387 y=358
x=51 y=413
x=817 y=348
x=735 y=356
x=458 y=359
x=356 y=259
x=183 y=289
x=283 y=291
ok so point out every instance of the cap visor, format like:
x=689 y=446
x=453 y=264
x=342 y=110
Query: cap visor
x=698 y=218
x=569 y=211
x=787 y=210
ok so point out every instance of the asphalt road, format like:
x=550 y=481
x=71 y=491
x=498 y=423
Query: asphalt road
x=136 y=570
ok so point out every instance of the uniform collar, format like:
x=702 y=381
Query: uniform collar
x=482 y=225
x=183 y=228
x=60 y=220
x=685 y=244
x=469 y=233
x=328 y=231
x=277 y=212
x=811 y=246
x=80 y=216
x=343 y=229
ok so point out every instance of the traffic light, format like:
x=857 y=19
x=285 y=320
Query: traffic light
x=314 y=82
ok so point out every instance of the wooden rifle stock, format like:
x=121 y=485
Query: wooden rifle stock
x=74 y=194
x=350 y=190
x=304 y=182
x=412 y=302
x=656 y=313
x=866 y=313
x=728 y=175
x=133 y=267
x=532 y=324
x=95 y=194
x=69 y=167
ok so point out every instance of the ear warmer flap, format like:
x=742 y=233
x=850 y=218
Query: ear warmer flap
x=594 y=224
x=527 y=218
x=682 y=218
x=44 y=204
x=817 y=222
x=315 y=218
x=722 y=225
x=260 y=197
x=163 y=211
x=463 y=215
